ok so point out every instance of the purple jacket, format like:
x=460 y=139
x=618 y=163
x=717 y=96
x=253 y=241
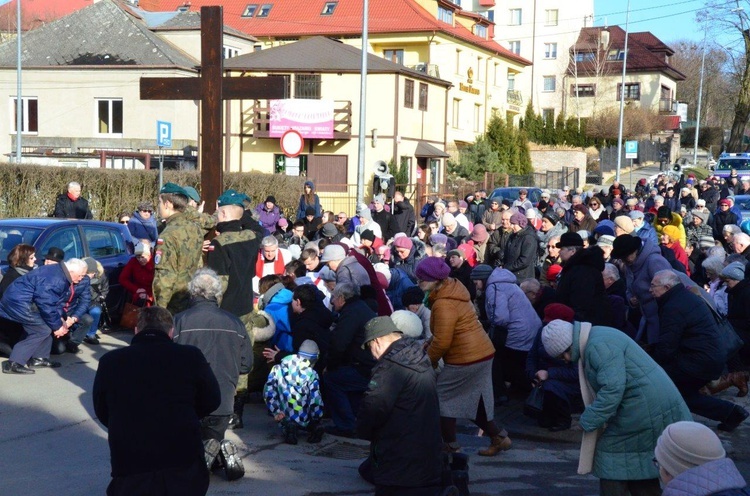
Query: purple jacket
x=268 y=219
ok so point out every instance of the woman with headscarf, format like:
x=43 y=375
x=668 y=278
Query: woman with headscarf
x=465 y=384
x=309 y=199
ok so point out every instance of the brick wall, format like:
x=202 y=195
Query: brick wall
x=555 y=160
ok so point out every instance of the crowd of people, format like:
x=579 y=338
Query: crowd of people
x=395 y=323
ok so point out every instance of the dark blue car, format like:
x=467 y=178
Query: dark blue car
x=107 y=242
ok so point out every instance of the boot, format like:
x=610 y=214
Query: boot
x=720 y=384
x=211 y=448
x=739 y=380
x=499 y=443
x=233 y=468
x=235 y=420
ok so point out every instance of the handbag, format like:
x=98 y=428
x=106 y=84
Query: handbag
x=534 y=403
x=129 y=317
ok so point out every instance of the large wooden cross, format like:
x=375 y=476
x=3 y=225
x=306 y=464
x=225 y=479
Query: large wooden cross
x=212 y=88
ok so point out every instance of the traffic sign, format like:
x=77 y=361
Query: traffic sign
x=163 y=133
x=631 y=149
x=292 y=143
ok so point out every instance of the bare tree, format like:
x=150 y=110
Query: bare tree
x=588 y=59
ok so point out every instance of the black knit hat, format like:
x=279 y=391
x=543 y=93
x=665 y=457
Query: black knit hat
x=412 y=296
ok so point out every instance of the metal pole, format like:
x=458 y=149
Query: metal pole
x=19 y=99
x=622 y=95
x=362 y=108
x=161 y=167
x=700 y=99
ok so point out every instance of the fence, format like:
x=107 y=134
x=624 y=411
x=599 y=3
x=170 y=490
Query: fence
x=648 y=151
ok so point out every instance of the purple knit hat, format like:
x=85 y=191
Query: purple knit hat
x=519 y=218
x=438 y=238
x=432 y=269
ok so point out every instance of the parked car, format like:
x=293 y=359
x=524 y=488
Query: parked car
x=511 y=193
x=108 y=242
x=743 y=202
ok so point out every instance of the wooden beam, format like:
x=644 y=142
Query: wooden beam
x=166 y=88
x=261 y=88
x=211 y=163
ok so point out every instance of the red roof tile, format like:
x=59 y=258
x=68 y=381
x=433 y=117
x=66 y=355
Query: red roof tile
x=34 y=13
x=296 y=18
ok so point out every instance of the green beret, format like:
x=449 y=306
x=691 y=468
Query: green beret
x=192 y=193
x=232 y=197
x=174 y=189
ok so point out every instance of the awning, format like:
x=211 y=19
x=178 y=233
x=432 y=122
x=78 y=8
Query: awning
x=427 y=150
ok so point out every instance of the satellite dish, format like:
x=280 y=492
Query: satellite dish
x=381 y=167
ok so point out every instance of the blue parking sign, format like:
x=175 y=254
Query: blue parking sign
x=163 y=133
x=631 y=149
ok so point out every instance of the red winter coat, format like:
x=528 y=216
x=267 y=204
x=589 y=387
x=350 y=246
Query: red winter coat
x=135 y=276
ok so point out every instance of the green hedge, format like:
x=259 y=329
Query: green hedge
x=31 y=190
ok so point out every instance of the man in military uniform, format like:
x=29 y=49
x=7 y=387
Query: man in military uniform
x=233 y=255
x=178 y=250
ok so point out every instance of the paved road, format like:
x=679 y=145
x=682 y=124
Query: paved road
x=51 y=444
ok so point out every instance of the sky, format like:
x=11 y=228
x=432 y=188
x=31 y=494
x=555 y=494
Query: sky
x=669 y=20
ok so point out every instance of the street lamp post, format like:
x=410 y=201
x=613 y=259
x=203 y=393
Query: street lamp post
x=362 y=109
x=700 y=100
x=622 y=95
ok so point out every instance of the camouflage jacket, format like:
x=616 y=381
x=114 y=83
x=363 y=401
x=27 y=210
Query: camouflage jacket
x=178 y=255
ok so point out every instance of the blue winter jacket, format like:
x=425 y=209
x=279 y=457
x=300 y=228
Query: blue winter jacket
x=39 y=294
x=507 y=307
x=278 y=302
x=141 y=228
x=268 y=219
x=400 y=282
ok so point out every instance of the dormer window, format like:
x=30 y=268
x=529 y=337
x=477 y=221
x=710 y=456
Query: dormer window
x=264 y=10
x=480 y=31
x=183 y=8
x=328 y=8
x=250 y=10
x=445 y=15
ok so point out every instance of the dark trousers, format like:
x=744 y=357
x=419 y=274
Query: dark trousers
x=191 y=481
x=81 y=328
x=706 y=406
x=514 y=369
x=498 y=337
x=647 y=487
x=36 y=342
x=214 y=427
x=407 y=491
x=344 y=387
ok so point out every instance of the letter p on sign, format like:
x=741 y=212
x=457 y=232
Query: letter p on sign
x=163 y=133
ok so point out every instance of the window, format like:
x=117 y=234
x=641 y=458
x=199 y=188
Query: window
x=515 y=47
x=632 y=91
x=616 y=54
x=422 y=96
x=494 y=74
x=455 y=121
x=491 y=15
x=264 y=10
x=290 y=166
x=585 y=56
x=548 y=115
x=109 y=113
x=511 y=81
x=68 y=240
x=307 y=86
x=230 y=52
x=480 y=30
x=550 y=17
x=409 y=93
x=583 y=90
x=250 y=10
x=434 y=174
x=328 y=8
x=257 y=48
x=29 y=115
x=103 y=242
x=550 y=50
x=445 y=15
x=406 y=164
x=394 y=55
x=183 y=8
x=477 y=117
x=549 y=83
x=515 y=17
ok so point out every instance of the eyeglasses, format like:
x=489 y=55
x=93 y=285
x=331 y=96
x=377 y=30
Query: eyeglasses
x=594 y=204
x=148 y=211
x=552 y=247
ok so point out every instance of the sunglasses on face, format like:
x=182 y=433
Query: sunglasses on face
x=148 y=211
x=124 y=221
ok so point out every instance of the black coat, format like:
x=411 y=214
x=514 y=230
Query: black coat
x=348 y=336
x=66 y=208
x=520 y=253
x=388 y=225
x=151 y=396
x=223 y=339
x=689 y=342
x=581 y=287
x=463 y=274
x=738 y=314
x=401 y=416
x=313 y=323
x=405 y=218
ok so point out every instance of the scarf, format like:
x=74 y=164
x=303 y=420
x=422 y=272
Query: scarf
x=278 y=264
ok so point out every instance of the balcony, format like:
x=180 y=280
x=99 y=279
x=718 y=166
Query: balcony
x=342 y=120
x=667 y=106
x=487 y=3
x=429 y=69
x=515 y=98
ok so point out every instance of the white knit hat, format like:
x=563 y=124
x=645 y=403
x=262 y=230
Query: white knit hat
x=685 y=445
x=309 y=349
x=407 y=322
x=557 y=336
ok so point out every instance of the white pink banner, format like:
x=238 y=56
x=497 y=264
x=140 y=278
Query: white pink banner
x=313 y=119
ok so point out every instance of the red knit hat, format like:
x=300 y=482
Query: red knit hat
x=553 y=271
x=558 y=311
